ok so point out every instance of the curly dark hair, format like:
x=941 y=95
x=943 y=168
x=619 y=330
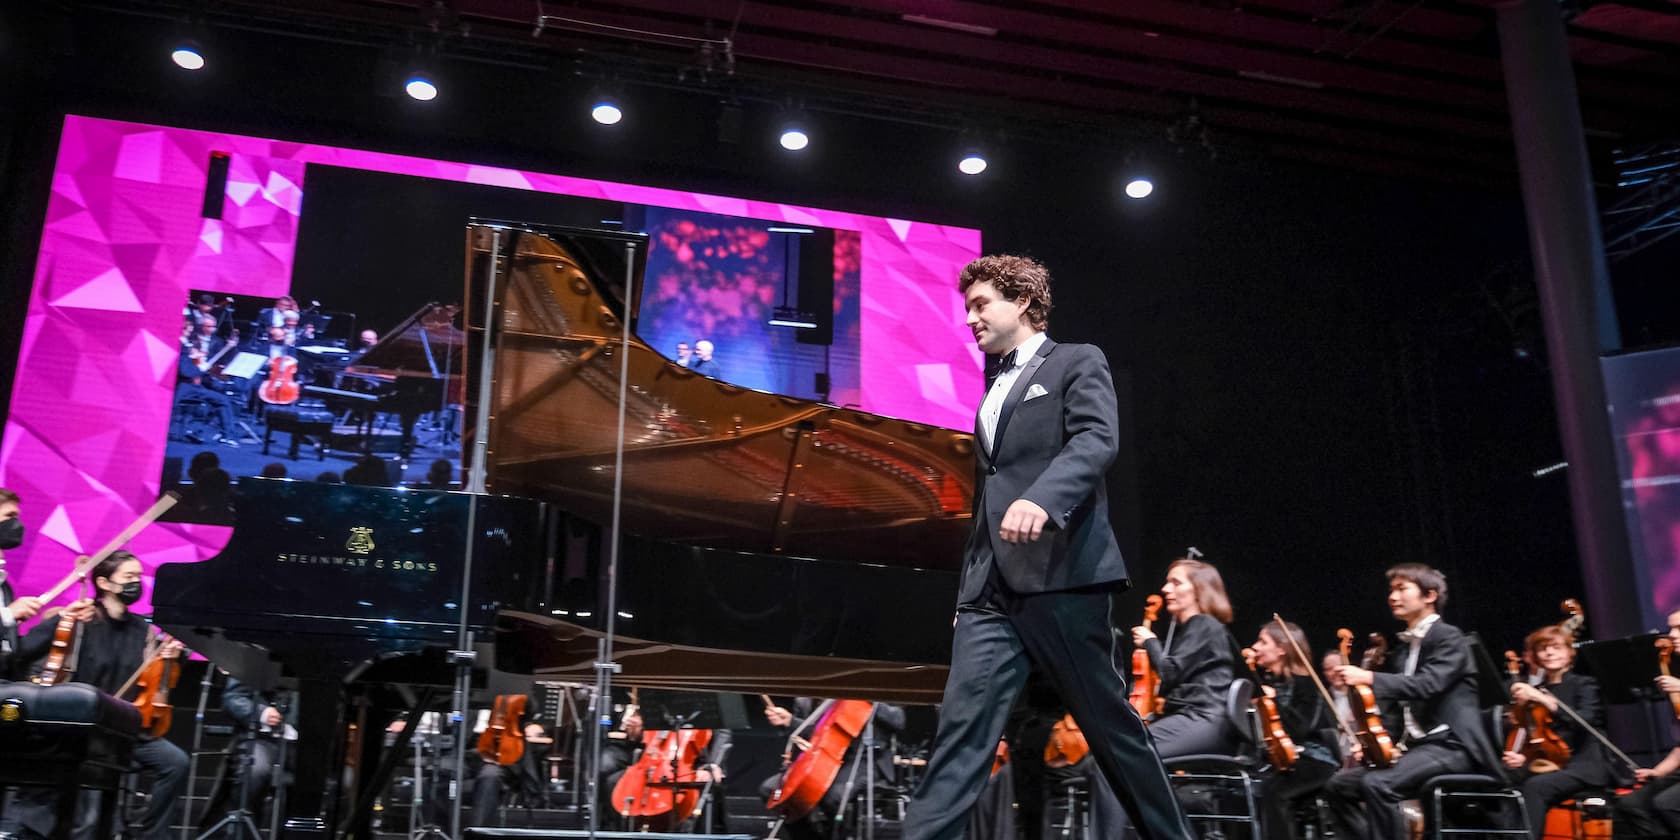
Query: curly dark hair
x=1015 y=278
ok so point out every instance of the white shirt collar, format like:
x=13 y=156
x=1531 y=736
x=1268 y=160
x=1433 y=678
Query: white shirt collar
x=1029 y=348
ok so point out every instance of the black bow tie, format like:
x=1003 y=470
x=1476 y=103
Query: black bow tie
x=1008 y=360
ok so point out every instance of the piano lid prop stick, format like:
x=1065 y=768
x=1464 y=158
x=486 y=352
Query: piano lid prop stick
x=164 y=503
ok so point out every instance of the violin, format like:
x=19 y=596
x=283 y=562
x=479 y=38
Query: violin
x=1374 y=741
x=154 y=680
x=809 y=777
x=1146 y=682
x=502 y=741
x=1531 y=729
x=650 y=793
x=1665 y=648
x=281 y=387
x=1067 y=744
x=1279 y=746
x=61 y=657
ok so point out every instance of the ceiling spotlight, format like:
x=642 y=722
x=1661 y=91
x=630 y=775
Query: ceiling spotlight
x=794 y=138
x=1139 y=188
x=187 y=55
x=606 y=111
x=421 y=87
x=971 y=164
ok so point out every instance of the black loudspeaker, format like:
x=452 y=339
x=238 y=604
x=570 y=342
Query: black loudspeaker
x=215 y=185
x=564 y=834
x=816 y=284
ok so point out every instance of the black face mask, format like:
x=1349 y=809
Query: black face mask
x=11 y=534
x=130 y=593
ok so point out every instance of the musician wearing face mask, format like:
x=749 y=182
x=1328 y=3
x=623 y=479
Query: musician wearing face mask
x=1587 y=766
x=13 y=609
x=113 y=645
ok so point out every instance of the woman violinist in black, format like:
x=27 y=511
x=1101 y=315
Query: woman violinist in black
x=1587 y=766
x=1197 y=664
x=1286 y=677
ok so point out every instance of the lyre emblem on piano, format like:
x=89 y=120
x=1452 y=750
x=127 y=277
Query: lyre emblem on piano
x=361 y=540
x=11 y=711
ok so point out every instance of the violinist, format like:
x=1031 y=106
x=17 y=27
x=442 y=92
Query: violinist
x=255 y=750
x=525 y=775
x=1285 y=676
x=1430 y=699
x=112 y=647
x=13 y=610
x=1554 y=651
x=889 y=720
x=1654 y=809
x=1197 y=665
x=1331 y=667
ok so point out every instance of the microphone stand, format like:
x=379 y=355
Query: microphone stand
x=204 y=686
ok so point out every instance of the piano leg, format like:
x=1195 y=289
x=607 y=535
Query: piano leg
x=312 y=801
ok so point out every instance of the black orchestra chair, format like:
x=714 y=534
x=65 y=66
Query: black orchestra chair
x=1481 y=805
x=189 y=418
x=1212 y=778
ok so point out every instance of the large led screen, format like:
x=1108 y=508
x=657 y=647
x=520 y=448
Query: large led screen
x=167 y=252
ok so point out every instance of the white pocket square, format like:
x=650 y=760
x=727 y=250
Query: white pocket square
x=1034 y=391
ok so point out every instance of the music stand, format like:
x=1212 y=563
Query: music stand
x=1625 y=669
x=1491 y=690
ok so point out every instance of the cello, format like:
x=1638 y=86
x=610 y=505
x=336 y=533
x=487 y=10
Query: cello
x=1665 y=649
x=502 y=741
x=281 y=387
x=658 y=792
x=1145 y=695
x=1280 y=748
x=1531 y=732
x=1374 y=741
x=809 y=777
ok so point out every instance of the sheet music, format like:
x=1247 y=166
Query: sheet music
x=244 y=365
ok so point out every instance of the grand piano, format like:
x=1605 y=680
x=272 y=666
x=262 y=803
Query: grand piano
x=765 y=543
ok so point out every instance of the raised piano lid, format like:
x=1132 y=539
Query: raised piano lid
x=327 y=577
x=706 y=463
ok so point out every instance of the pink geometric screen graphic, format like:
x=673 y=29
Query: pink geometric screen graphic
x=125 y=239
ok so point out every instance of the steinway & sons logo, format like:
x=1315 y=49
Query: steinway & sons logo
x=361 y=546
x=360 y=542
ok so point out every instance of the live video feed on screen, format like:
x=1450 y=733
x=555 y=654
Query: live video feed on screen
x=275 y=388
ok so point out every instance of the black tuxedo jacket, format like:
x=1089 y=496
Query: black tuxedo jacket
x=9 y=638
x=1441 y=690
x=187 y=369
x=1056 y=437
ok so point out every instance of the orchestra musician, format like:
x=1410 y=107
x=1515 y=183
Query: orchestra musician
x=1431 y=697
x=275 y=316
x=1197 y=665
x=1284 y=665
x=1554 y=651
x=1654 y=809
x=1040 y=565
x=112 y=647
x=528 y=775
x=14 y=610
x=889 y=720
x=1331 y=668
x=254 y=753
x=196 y=380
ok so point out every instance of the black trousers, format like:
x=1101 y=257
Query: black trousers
x=1067 y=635
x=1366 y=803
x=1543 y=790
x=1280 y=793
x=1652 y=811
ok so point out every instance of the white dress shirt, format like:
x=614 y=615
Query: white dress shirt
x=1417 y=631
x=991 y=408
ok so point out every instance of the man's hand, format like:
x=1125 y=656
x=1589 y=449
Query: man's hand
x=1644 y=774
x=633 y=727
x=778 y=716
x=25 y=608
x=1354 y=676
x=271 y=717
x=1023 y=522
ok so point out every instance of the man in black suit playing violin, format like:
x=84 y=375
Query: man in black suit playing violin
x=1040 y=565
x=1430 y=706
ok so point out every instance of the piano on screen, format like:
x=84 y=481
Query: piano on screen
x=769 y=544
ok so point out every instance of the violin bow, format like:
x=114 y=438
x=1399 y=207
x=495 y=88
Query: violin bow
x=164 y=503
x=1592 y=729
x=1313 y=672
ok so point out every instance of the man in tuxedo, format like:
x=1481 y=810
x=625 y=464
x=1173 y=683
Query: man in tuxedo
x=1429 y=704
x=13 y=610
x=1040 y=565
